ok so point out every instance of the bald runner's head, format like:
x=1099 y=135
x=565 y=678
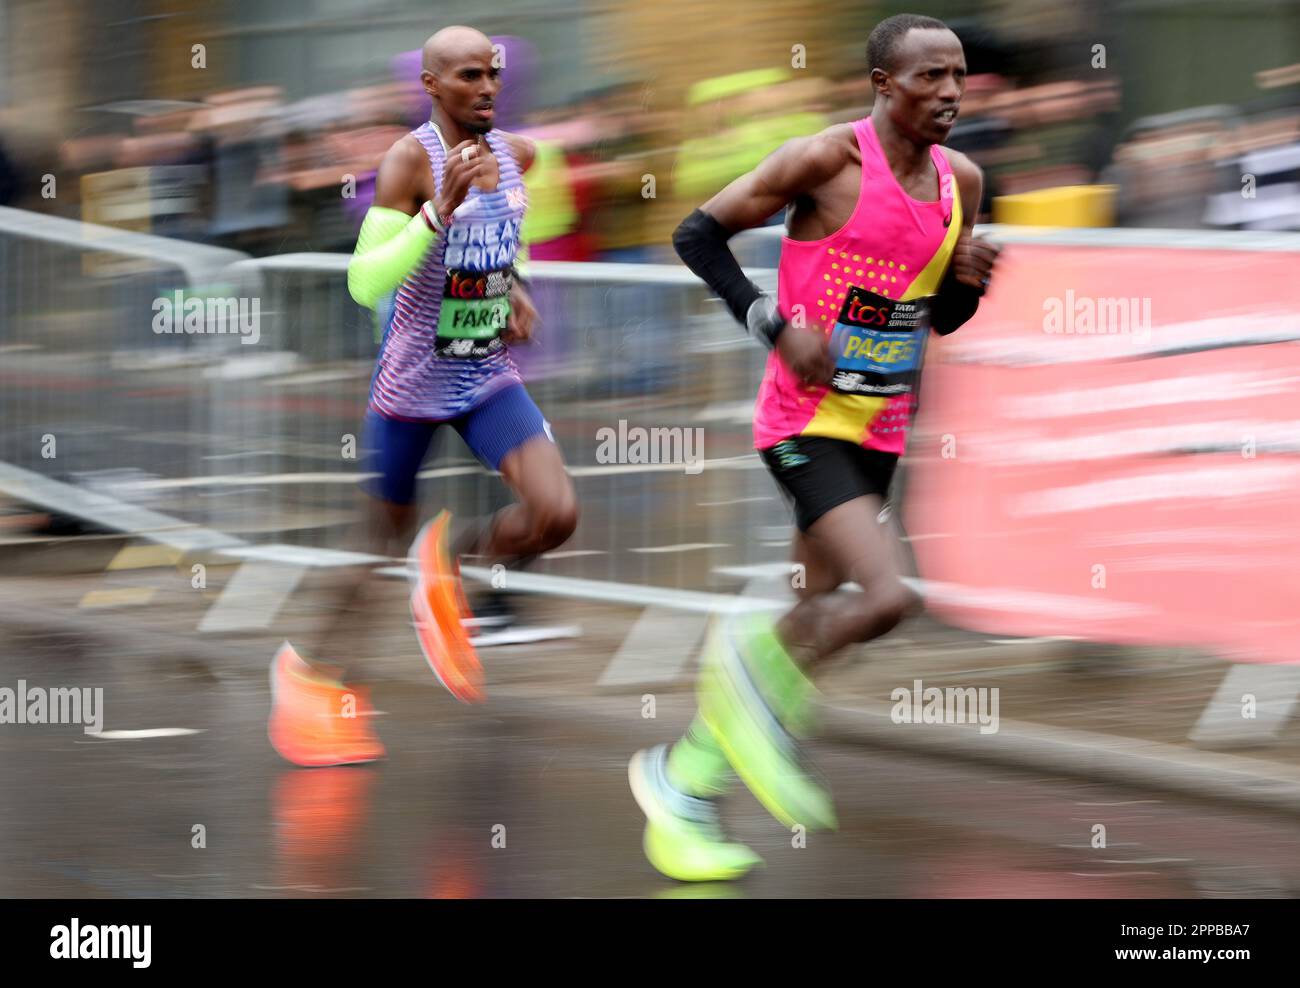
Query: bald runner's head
x=459 y=74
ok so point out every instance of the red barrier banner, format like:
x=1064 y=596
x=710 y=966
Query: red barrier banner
x=1111 y=450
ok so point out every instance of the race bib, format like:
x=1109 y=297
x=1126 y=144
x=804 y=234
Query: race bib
x=878 y=344
x=475 y=305
x=476 y=293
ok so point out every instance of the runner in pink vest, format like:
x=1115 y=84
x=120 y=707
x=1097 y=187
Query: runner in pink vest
x=880 y=251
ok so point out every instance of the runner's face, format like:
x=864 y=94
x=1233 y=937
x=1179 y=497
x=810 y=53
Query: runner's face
x=926 y=89
x=467 y=90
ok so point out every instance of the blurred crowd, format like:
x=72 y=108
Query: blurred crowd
x=616 y=170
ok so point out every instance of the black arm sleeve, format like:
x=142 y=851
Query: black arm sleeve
x=953 y=305
x=701 y=243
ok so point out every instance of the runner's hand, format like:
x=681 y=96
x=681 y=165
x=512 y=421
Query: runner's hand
x=457 y=175
x=973 y=260
x=523 y=316
x=807 y=352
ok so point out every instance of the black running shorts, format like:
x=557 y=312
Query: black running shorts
x=817 y=474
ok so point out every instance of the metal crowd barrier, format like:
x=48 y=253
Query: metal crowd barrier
x=89 y=392
x=264 y=440
x=619 y=347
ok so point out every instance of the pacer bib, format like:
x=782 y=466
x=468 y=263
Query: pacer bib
x=878 y=345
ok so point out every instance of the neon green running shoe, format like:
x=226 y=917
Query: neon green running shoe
x=683 y=835
x=747 y=678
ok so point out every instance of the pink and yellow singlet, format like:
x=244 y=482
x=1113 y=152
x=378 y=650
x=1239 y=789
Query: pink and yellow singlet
x=864 y=286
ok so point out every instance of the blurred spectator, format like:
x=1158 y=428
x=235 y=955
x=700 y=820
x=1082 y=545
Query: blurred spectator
x=615 y=174
x=734 y=122
x=249 y=198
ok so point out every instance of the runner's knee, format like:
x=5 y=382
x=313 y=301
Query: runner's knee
x=885 y=607
x=554 y=522
x=895 y=605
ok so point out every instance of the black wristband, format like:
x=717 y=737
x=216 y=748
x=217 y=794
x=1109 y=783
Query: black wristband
x=701 y=243
x=954 y=304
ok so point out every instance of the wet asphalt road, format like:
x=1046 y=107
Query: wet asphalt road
x=545 y=777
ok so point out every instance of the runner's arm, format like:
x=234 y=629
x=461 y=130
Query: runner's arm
x=525 y=152
x=965 y=282
x=523 y=148
x=397 y=230
x=794 y=169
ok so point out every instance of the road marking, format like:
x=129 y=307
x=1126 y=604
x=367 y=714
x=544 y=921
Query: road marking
x=681 y=547
x=149 y=732
x=526 y=636
x=145 y=557
x=253 y=597
x=656 y=650
x=661 y=645
x=120 y=597
x=634 y=594
x=1275 y=689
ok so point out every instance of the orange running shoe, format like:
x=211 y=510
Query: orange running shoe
x=438 y=608
x=316 y=721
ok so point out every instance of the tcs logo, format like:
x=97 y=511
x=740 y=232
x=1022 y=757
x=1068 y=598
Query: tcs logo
x=862 y=314
x=461 y=286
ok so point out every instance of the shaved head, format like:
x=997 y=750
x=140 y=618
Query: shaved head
x=451 y=45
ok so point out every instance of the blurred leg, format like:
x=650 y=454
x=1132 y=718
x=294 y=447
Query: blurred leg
x=546 y=513
x=740 y=701
x=388 y=514
x=509 y=433
x=820 y=573
x=696 y=763
x=846 y=544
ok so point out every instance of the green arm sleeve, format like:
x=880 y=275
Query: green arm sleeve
x=389 y=247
